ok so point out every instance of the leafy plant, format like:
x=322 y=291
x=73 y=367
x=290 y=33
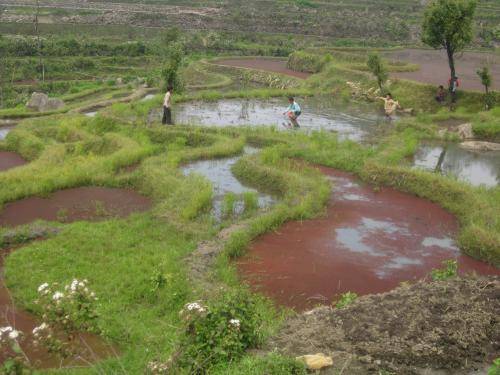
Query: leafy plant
x=495 y=367
x=346 y=299
x=251 y=201
x=449 y=270
x=228 y=204
x=221 y=331
x=378 y=69
x=486 y=80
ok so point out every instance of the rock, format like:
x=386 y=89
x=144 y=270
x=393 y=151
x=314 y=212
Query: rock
x=465 y=131
x=38 y=100
x=480 y=146
x=316 y=361
x=119 y=81
x=41 y=102
x=54 y=104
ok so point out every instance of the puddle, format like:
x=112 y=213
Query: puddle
x=477 y=168
x=90 y=348
x=4 y=131
x=218 y=172
x=317 y=113
x=10 y=160
x=91 y=114
x=83 y=203
x=366 y=245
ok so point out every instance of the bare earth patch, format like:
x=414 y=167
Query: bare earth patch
x=447 y=327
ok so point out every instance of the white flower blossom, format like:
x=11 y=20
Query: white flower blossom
x=40 y=328
x=195 y=306
x=43 y=287
x=235 y=323
x=13 y=334
x=6 y=330
x=57 y=296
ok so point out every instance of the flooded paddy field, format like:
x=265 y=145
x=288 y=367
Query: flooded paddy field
x=218 y=172
x=83 y=203
x=10 y=160
x=369 y=242
x=353 y=123
x=475 y=167
x=4 y=131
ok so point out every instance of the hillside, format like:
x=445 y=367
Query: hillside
x=373 y=21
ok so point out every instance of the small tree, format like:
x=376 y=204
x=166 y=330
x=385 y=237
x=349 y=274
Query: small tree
x=448 y=25
x=486 y=79
x=378 y=69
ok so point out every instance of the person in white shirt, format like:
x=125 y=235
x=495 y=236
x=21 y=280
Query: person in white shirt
x=167 y=112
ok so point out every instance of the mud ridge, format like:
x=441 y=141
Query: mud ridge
x=448 y=326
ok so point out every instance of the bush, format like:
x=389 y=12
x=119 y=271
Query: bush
x=307 y=62
x=221 y=331
x=449 y=270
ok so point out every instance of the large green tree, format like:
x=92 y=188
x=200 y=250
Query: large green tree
x=448 y=25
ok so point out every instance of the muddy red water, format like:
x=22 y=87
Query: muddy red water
x=269 y=65
x=88 y=348
x=83 y=203
x=368 y=242
x=10 y=160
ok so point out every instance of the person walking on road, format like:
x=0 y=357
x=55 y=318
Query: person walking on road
x=167 y=104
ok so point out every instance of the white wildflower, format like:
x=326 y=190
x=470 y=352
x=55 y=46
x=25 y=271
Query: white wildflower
x=195 y=306
x=13 y=334
x=57 y=296
x=40 y=328
x=6 y=330
x=43 y=287
x=235 y=323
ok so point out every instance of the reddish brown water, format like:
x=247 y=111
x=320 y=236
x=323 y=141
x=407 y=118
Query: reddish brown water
x=10 y=160
x=369 y=242
x=89 y=348
x=83 y=203
x=269 y=65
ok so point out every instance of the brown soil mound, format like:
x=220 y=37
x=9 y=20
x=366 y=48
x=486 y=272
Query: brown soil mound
x=269 y=65
x=452 y=326
x=83 y=203
x=10 y=160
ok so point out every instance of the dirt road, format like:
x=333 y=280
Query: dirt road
x=434 y=67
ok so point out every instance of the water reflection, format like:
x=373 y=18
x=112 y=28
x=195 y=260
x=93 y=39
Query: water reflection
x=317 y=113
x=477 y=168
x=4 y=131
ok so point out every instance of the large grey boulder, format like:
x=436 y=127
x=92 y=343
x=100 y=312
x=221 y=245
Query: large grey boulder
x=38 y=100
x=42 y=103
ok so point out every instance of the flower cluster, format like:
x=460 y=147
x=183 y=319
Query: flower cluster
x=72 y=308
x=235 y=323
x=9 y=334
x=159 y=368
x=40 y=332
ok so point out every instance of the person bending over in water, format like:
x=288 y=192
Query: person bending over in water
x=293 y=112
x=390 y=105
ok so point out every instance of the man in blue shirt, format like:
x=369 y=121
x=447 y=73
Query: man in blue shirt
x=293 y=112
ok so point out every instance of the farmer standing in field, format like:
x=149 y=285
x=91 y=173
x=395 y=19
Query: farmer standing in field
x=454 y=83
x=390 y=105
x=167 y=102
x=292 y=113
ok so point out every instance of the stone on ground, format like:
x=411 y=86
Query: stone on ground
x=316 y=361
x=41 y=102
x=480 y=146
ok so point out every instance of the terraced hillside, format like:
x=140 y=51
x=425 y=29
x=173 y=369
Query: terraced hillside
x=377 y=20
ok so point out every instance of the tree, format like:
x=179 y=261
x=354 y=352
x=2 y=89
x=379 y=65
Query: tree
x=486 y=79
x=448 y=25
x=378 y=69
x=39 y=41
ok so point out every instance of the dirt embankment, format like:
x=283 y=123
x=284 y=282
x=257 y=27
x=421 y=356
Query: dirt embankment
x=268 y=65
x=447 y=327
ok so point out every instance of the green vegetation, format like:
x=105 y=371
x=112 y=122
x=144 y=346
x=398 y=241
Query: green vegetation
x=448 y=25
x=450 y=269
x=378 y=69
x=346 y=299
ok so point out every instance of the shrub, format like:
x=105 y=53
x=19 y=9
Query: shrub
x=449 y=270
x=307 y=62
x=219 y=332
x=346 y=299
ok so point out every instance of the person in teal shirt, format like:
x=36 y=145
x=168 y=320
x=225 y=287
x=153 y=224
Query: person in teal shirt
x=293 y=112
